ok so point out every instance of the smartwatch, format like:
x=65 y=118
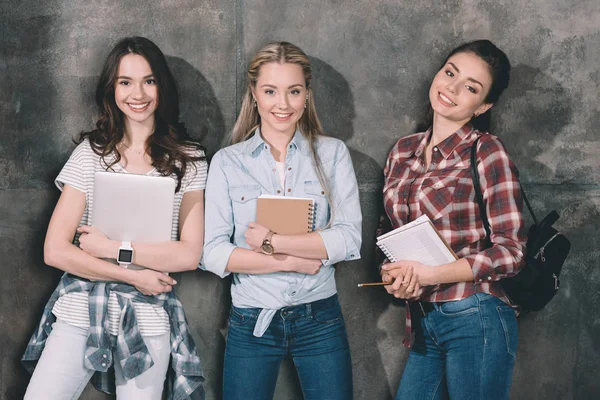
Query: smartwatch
x=267 y=246
x=125 y=254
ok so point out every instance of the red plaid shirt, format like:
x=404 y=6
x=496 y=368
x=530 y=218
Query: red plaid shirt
x=444 y=192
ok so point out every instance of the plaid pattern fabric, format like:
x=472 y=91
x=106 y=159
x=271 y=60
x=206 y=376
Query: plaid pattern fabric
x=445 y=192
x=185 y=377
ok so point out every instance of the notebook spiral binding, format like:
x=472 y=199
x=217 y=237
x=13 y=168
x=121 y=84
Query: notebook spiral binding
x=311 y=218
x=387 y=253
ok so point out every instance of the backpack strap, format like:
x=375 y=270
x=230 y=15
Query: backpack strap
x=479 y=195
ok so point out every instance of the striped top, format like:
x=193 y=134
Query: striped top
x=78 y=173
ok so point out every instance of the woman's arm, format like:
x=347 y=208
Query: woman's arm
x=221 y=256
x=250 y=262
x=342 y=240
x=171 y=256
x=60 y=252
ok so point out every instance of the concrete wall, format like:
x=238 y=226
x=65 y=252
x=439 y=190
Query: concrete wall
x=373 y=61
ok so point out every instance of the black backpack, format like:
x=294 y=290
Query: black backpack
x=547 y=249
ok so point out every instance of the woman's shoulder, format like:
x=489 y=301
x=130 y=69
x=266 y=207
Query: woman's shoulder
x=328 y=143
x=489 y=144
x=84 y=152
x=406 y=145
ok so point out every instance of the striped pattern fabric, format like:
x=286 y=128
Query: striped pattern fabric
x=445 y=192
x=185 y=377
x=78 y=173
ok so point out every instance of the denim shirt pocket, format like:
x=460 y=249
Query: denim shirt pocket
x=315 y=191
x=437 y=194
x=243 y=200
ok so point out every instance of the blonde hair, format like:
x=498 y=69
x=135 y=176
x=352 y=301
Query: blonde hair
x=309 y=124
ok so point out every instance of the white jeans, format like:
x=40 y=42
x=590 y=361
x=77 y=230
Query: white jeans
x=61 y=374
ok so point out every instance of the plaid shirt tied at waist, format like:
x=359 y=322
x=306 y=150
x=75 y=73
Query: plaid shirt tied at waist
x=185 y=377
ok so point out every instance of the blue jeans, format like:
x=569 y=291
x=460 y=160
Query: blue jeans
x=312 y=334
x=463 y=350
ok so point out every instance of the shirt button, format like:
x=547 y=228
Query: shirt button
x=322 y=192
x=278 y=191
x=242 y=197
x=274 y=170
x=289 y=190
x=104 y=356
x=435 y=149
x=104 y=364
x=351 y=255
x=489 y=278
x=290 y=168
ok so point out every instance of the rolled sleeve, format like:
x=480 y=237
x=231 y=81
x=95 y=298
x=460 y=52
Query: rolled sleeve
x=218 y=221
x=504 y=209
x=344 y=237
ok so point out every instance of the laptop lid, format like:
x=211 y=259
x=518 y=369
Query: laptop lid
x=133 y=208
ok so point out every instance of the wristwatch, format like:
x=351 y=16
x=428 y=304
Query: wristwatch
x=125 y=254
x=267 y=246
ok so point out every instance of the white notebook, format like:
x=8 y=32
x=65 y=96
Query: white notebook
x=416 y=241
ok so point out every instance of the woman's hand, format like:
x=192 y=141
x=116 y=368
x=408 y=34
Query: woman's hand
x=300 y=265
x=96 y=244
x=403 y=282
x=152 y=283
x=426 y=276
x=255 y=234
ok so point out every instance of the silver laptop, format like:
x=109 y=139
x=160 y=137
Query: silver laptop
x=133 y=208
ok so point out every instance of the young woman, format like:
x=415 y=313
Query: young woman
x=465 y=327
x=101 y=314
x=283 y=292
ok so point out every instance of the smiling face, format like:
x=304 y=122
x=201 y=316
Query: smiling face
x=280 y=95
x=459 y=89
x=136 y=92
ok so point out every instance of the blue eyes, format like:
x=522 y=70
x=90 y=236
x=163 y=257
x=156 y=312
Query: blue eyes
x=293 y=91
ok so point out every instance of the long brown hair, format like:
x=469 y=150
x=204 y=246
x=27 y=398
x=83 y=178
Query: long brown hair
x=169 y=146
x=309 y=124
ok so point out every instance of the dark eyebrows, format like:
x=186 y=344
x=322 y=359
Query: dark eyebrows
x=469 y=79
x=126 y=77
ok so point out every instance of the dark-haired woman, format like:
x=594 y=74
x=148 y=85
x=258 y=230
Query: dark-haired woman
x=101 y=314
x=465 y=328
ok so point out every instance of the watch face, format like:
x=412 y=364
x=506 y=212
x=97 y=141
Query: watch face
x=125 y=256
x=267 y=248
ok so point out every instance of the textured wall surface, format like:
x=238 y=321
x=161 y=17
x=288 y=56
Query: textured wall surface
x=373 y=61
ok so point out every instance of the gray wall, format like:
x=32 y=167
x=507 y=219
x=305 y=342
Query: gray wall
x=373 y=62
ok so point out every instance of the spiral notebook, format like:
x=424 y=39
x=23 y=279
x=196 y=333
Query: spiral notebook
x=286 y=215
x=416 y=241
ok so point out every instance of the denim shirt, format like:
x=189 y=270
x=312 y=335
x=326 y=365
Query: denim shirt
x=238 y=174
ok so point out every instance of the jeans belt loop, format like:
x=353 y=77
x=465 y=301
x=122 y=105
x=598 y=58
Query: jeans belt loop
x=309 y=309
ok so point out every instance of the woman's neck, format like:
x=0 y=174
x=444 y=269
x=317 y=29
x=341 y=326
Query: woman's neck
x=136 y=134
x=443 y=128
x=279 y=142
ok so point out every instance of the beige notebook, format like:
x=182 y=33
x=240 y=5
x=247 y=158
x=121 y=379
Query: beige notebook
x=285 y=215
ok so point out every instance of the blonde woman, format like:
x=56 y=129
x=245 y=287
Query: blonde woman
x=284 y=300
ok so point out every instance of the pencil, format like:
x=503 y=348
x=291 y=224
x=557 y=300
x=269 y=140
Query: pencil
x=374 y=284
